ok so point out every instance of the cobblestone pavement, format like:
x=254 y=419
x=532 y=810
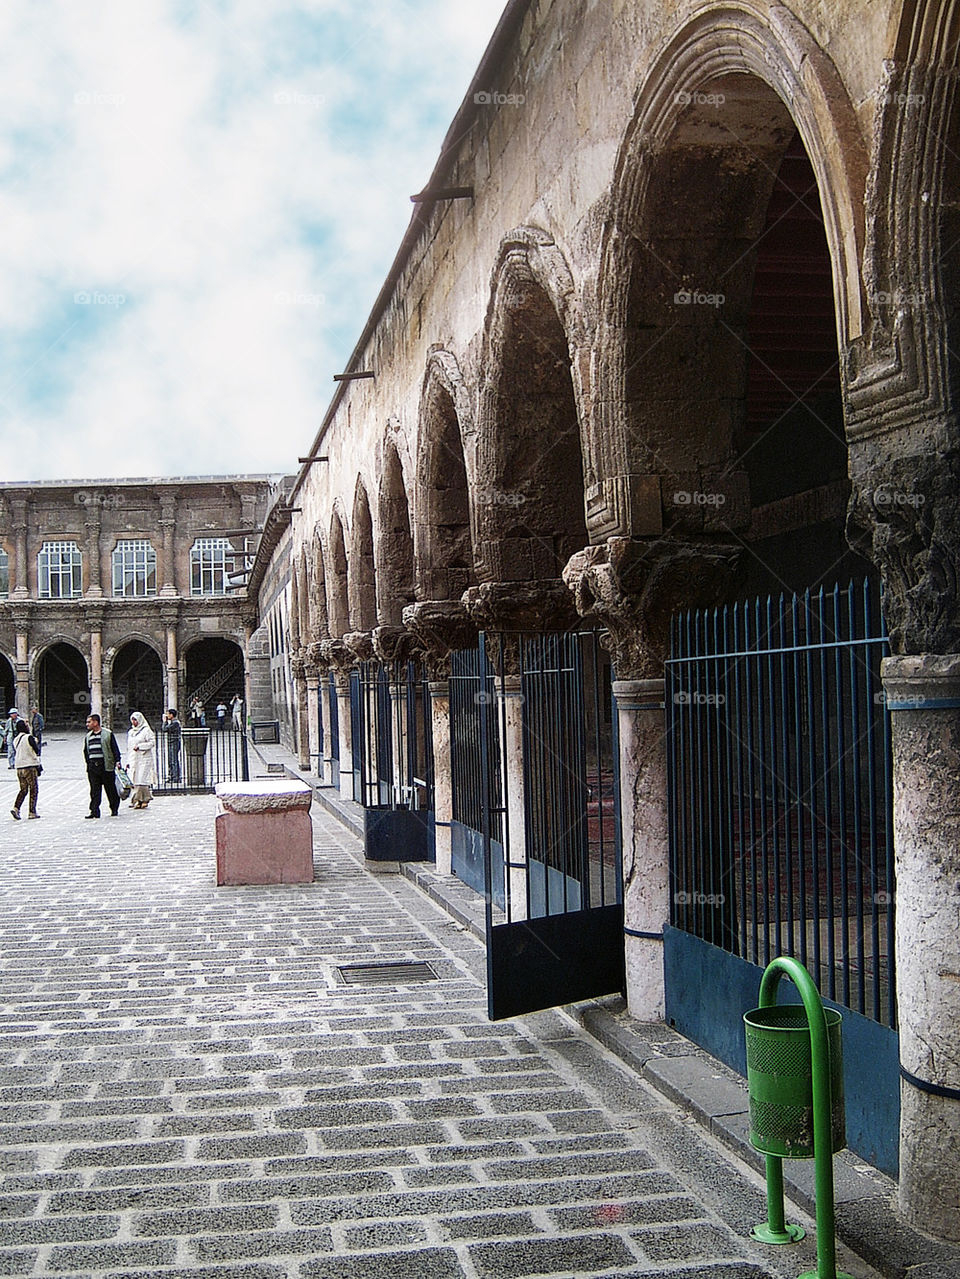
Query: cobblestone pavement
x=189 y=1087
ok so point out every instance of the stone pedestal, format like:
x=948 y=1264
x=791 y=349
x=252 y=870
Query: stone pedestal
x=923 y=697
x=264 y=833
x=646 y=860
x=510 y=711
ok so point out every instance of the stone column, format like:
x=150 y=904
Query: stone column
x=302 y=725
x=94 y=619
x=18 y=512
x=91 y=522
x=312 y=682
x=923 y=697
x=646 y=860
x=169 y=620
x=345 y=719
x=21 y=671
x=510 y=712
x=167 y=525
x=442 y=775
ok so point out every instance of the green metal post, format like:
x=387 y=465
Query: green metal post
x=775 y=1229
x=785 y=965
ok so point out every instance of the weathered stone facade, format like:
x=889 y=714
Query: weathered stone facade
x=106 y=604
x=683 y=331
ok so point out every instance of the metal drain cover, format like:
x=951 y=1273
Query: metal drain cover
x=396 y=974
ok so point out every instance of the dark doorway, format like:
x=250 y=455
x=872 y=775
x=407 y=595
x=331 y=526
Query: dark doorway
x=64 y=687
x=137 y=682
x=8 y=685
x=214 y=673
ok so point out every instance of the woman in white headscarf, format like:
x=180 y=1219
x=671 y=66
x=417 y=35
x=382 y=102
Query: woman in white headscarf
x=142 y=758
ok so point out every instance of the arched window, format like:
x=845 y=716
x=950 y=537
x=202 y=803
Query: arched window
x=211 y=560
x=59 y=571
x=4 y=575
x=134 y=568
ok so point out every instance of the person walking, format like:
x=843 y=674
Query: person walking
x=37 y=725
x=27 y=750
x=236 y=707
x=172 y=730
x=7 y=734
x=221 y=716
x=102 y=755
x=142 y=756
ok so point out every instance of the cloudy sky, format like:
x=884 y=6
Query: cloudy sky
x=199 y=200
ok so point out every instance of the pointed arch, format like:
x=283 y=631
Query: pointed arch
x=361 y=580
x=395 y=568
x=338 y=610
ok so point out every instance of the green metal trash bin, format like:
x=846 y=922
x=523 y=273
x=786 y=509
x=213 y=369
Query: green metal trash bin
x=780 y=1080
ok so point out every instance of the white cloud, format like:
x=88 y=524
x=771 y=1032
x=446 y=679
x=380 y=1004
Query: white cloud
x=199 y=204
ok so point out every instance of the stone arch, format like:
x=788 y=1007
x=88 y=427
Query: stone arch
x=338 y=610
x=443 y=540
x=698 y=164
x=362 y=581
x=319 y=620
x=303 y=600
x=62 y=681
x=395 y=568
x=136 y=666
x=530 y=459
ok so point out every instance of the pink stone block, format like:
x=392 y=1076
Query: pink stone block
x=264 y=834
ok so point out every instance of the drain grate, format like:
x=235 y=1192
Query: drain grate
x=396 y=974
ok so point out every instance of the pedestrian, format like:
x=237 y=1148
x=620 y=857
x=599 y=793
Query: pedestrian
x=172 y=730
x=236 y=707
x=198 y=712
x=101 y=752
x=27 y=751
x=7 y=734
x=37 y=726
x=221 y=715
x=142 y=757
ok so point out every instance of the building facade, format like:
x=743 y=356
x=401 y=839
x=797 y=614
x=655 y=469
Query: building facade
x=672 y=328
x=118 y=596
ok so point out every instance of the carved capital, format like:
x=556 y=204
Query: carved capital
x=94 y=616
x=393 y=644
x=315 y=655
x=521 y=606
x=632 y=588
x=297 y=666
x=904 y=514
x=360 y=644
x=334 y=653
x=440 y=627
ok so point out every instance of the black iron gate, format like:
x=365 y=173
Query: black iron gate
x=197 y=759
x=549 y=822
x=781 y=820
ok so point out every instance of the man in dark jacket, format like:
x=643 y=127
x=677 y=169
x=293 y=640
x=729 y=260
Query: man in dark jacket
x=102 y=755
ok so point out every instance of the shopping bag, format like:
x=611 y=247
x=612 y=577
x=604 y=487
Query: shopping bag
x=124 y=784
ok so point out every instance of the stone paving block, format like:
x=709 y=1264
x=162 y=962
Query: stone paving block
x=138 y=1197
x=57 y=1229
x=439 y=1175
x=343 y=1115
x=435 y=1263
x=387 y=1234
x=694 y=1243
x=341 y=1183
x=488 y=1225
x=577 y=1255
x=258 y=1146
x=169 y=1174
x=275 y=1244
x=18 y=1205
x=106 y=1256
x=19 y=1263
x=158 y=1152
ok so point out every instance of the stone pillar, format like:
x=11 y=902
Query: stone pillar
x=346 y=734
x=91 y=522
x=510 y=713
x=168 y=616
x=21 y=621
x=301 y=726
x=95 y=622
x=18 y=512
x=167 y=569
x=646 y=860
x=442 y=774
x=325 y=767
x=312 y=682
x=923 y=697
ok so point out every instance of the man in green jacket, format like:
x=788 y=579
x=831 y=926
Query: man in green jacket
x=102 y=755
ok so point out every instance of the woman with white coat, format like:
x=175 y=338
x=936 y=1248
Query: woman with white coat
x=142 y=758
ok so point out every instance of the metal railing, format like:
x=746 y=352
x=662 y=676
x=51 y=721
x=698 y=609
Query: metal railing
x=200 y=759
x=780 y=791
x=392 y=736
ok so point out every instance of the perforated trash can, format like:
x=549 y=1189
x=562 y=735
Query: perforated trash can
x=780 y=1080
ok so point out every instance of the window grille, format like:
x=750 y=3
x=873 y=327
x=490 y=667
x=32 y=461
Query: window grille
x=4 y=575
x=134 y=568
x=211 y=560
x=59 y=569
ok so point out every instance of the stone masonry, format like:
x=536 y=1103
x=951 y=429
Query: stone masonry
x=188 y=1087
